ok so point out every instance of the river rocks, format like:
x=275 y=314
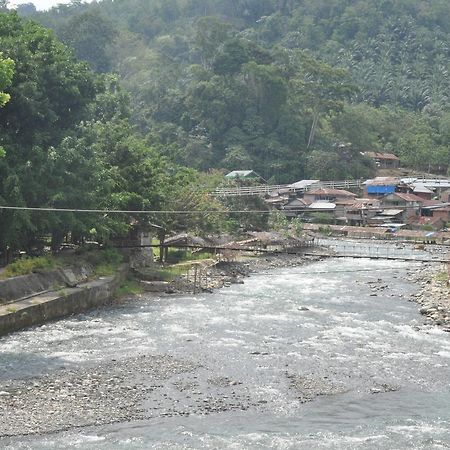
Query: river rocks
x=382 y=388
x=307 y=388
x=133 y=389
x=227 y=273
x=434 y=295
x=156 y=286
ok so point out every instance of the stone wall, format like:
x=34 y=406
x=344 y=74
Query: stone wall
x=48 y=306
x=17 y=288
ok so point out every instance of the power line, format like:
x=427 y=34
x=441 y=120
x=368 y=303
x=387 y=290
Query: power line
x=181 y=212
x=119 y=211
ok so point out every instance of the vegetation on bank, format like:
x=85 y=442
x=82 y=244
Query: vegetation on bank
x=105 y=263
x=291 y=89
x=27 y=265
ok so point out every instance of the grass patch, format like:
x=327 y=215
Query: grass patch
x=181 y=255
x=170 y=273
x=130 y=287
x=27 y=265
x=11 y=309
x=325 y=229
x=105 y=262
x=441 y=276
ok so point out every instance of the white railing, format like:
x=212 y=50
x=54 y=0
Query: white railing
x=266 y=189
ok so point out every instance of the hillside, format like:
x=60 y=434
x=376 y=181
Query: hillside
x=280 y=86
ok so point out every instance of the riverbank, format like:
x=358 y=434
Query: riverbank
x=210 y=275
x=39 y=306
x=434 y=294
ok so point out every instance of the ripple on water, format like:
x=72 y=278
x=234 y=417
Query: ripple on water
x=395 y=375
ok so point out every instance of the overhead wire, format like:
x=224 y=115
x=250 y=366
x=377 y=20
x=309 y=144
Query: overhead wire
x=159 y=211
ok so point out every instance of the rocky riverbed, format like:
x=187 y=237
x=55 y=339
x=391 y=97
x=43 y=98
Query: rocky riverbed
x=130 y=389
x=434 y=294
x=134 y=389
x=226 y=273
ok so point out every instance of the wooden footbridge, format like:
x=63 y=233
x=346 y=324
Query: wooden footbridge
x=385 y=257
x=323 y=249
x=380 y=250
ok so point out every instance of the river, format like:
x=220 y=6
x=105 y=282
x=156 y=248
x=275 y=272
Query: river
x=332 y=355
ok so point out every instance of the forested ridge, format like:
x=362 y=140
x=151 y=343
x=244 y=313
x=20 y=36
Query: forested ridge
x=279 y=86
x=129 y=104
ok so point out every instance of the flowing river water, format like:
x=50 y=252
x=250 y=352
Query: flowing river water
x=331 y=355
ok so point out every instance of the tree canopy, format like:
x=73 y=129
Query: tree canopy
x=271 y=84
x=6 y=74
x=68 y=143
x=289 y=88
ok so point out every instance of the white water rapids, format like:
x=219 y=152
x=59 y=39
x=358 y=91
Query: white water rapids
x=333 y=355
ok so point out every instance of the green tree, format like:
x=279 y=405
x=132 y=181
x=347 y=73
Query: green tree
x=321 y=89
x=50 y=94
x=91 y=36
x=211 y=33
x=6 y=74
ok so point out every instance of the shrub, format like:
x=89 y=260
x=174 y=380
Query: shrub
x=27 y=265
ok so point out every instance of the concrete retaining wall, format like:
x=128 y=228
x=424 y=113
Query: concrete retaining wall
x=25 y=285
x=42 y=308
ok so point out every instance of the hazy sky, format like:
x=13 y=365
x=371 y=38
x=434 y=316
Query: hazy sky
x=41 y=4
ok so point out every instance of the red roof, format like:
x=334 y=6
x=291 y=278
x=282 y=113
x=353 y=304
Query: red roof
x=429 y=220
x=408 y=197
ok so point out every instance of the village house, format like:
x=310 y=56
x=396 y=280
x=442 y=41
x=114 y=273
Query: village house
x=330 y=195
x=432 y=223
x=380 y=186
x=240 y=175
x=409 y=203
x=295 y=207
x=436 y=210
x=388 y=217
x=422 y=191
x=324 y=208
x=359 y=211
x=303 y=185
x=276 y=201
x=384 y=160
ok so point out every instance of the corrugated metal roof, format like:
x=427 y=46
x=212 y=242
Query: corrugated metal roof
x=387 y=156
x=240 y=173
x=335 y=192
x=322 y=205
x=391 y=212
x=303 y=184
x=382 y=181
x=442 y=206
x=422 y=189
